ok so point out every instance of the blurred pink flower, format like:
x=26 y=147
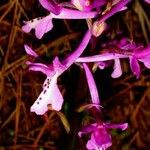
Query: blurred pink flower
x=100 y=136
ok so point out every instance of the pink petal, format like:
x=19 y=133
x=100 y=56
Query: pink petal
x=26 y=28
x=69 y=60
x=90 y=145
x=101 y=137
x=29 y=25
x=43 y=27
x=29 y=51
x=117 y=72
x=50 y=95
x=122 y=126
x=101 y=57
x=92 y=85
x=40 y=67
x=147 y=64
x=101 y=65
x=74 y=14
x=135 y=67
x=87 y=129
x=58 y=66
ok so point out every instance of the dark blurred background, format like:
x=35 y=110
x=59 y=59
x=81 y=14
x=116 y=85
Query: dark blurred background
x=125 y=99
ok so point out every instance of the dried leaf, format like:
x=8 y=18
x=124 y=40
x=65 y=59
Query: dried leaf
x=64 y=121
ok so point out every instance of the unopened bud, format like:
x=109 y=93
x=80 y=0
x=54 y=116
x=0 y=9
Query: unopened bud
x=98 y=28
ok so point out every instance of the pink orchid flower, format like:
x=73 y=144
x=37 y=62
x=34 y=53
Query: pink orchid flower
x=43 y=25
x=134 y=52
x=100 y=136
x=51 y=94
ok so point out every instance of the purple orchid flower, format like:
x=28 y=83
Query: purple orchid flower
x=51 y=94
x=100 y=136
x=132 y=51
x=44 y=24
x=92 y=87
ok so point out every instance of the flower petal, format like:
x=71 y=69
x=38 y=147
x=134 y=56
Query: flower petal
x=26 y=28
x=117 y=72
x=74 y=14
x=49 y=96
x=101 y=57
x=58 y=67
x=29 y=25
x=43 y=27
x=29 y=51
x=147 y=64
x=90 y=145
x=69 y=60
x=40 y=67
x=101 y=137
x=92 y=85
x=103 y=64
x=87 y=129
x=135 y=67
x=122 y=126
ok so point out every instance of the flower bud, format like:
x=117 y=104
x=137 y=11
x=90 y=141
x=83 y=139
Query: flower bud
x=98 y=28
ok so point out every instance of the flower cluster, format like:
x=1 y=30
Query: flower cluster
x=93 y=11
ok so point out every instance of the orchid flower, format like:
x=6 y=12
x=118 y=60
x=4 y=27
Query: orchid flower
x=51 y=94
x=92 y=87
x=100 y=136
x=134 y=52
x=43 y=25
